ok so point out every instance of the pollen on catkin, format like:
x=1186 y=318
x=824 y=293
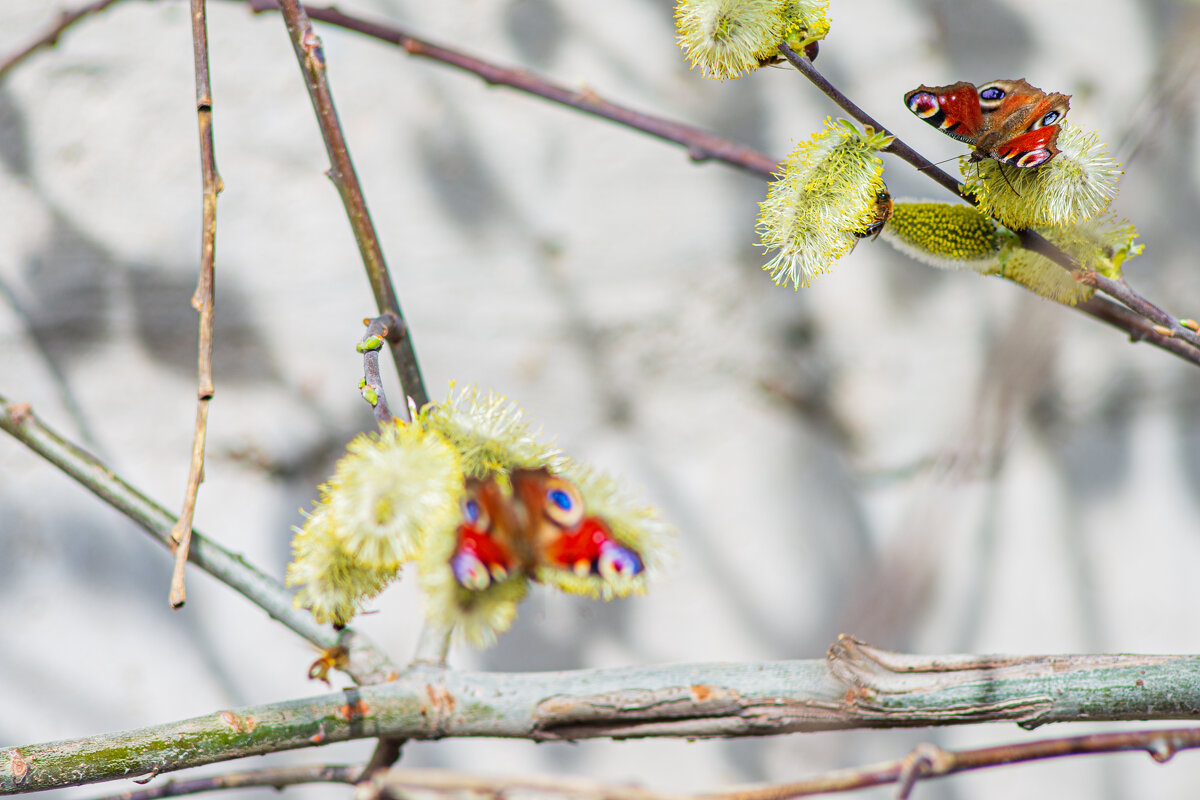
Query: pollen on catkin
x=476 y=616
x=726 y=38
x=804 y=21
x=1075 y=186
x=1102 y=245
x=824 y=195
x=489 y=433
x=946 y=235
x=333 y=584
x=388 y=488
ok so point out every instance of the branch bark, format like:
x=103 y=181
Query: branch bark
x=367 y=663
x=702 y=146
x=274 y=778
x=311 y=57
x=856 y=686
x=1030 y=240
x=51 y=36
x=202 y=300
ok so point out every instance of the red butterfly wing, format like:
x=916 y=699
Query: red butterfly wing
x=563 y=536
x=1030 y=149
x=484 y=551
x=953 y=109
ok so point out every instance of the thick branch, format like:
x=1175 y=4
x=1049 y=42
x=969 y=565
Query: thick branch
x=857 y=686
x=367 y=663
x=311 y=57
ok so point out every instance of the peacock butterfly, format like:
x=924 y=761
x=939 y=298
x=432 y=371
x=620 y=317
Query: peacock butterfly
x=1010 y=121
x=542 y=531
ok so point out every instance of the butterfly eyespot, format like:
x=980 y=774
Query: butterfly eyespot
x=923 y=104
x=992 y=93
x=617 y=561
x=1034 y=158
x=470 y=571
x=1050 y=118
x=564 y=505
x=474 y=514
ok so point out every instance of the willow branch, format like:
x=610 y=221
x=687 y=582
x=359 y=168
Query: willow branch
x=52 y=34
x=704 y=146
x=1030 y=240
x=701 y=145
x=929 y=761
x=277 y=778
x=925 y=762
x=202 y=300
x=371 y=387
x=397 y=784
x=367 y=663
x=311 y=57
x=856 y=686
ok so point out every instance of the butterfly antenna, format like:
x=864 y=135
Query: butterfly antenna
x=937 y=163
x=1004 y=175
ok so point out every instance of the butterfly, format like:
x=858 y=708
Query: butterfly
x=542 y=531
x=1010 y=121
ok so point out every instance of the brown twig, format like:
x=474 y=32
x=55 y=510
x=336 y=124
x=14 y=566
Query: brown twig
x=311 y=57
x=378 y=330
x=929 y=761
x=276 y=778
x=50 y=38
x=704 y=146
x=924 y=762
x=202 y=300
x=1030 y=240
x=368 y=664
x=701 y=145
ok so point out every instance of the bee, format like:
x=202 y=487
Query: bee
x=883 y=212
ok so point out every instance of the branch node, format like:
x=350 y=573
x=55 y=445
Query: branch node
x=1161 y=749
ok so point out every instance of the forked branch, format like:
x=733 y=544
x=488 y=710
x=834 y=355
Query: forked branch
x=311 y=56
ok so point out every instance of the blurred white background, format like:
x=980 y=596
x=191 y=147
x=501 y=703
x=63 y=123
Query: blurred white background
x=933 y=462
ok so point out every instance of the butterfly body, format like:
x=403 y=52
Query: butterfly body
x=1007 y=120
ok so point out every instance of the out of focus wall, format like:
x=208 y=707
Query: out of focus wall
x=932 y=461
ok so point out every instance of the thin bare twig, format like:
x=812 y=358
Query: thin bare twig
x=926 y=761
x=1030 y=240
x=704 y=146
x=202 y=300
x=378 y=330
x=52 y=34
x=929 y=761
x=276 y=778
x=701 y=145
x=367 y=663
x=311 y=57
